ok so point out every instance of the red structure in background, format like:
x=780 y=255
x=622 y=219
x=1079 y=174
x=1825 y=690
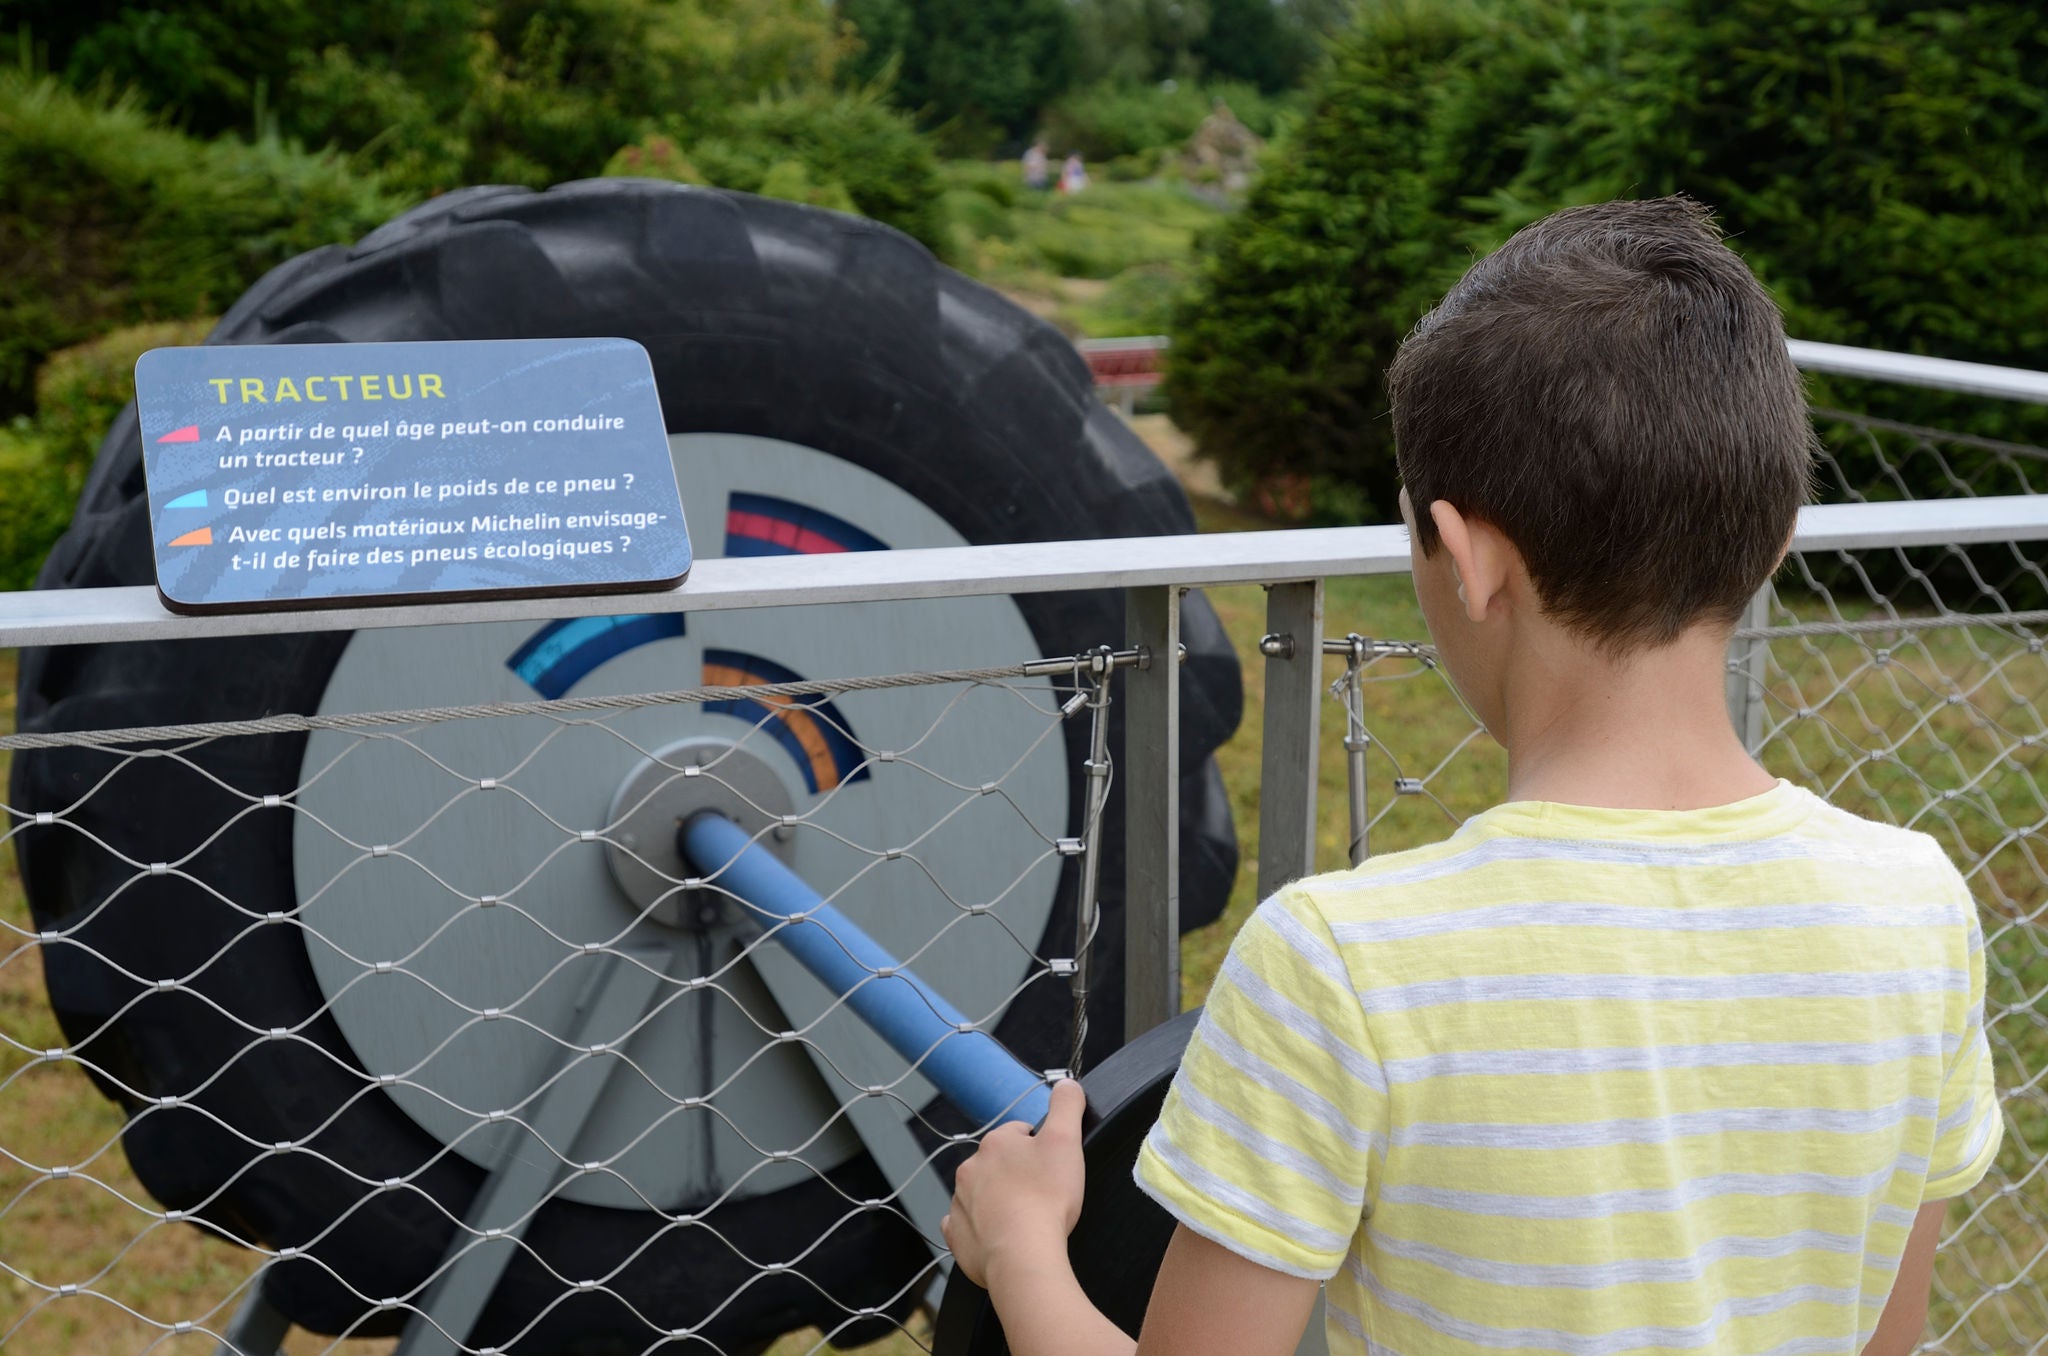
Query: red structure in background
x=1126 y=366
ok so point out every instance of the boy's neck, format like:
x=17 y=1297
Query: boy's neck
x=1649 y=731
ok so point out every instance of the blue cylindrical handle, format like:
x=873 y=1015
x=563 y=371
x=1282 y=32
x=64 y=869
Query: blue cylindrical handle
x=968 y=1066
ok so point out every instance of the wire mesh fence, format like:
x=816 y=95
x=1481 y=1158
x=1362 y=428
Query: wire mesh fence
x=461 y=946
x=487 y=1032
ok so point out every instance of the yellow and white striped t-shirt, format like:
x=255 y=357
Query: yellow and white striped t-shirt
x=1594 y=1081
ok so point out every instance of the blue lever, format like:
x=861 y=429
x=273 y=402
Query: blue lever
x=970 y=1067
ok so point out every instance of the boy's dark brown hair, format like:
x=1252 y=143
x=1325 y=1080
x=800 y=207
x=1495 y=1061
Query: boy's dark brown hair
x=1611 y=390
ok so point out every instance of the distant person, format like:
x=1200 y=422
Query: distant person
x=1662 y=1055
x=1037 y=167
x=1073 y=174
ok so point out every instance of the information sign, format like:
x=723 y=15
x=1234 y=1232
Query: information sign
x=329 y=475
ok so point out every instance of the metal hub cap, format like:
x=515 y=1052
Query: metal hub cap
x=667 y=788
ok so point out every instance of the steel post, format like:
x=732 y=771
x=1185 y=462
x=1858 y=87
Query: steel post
x=1293 y=647
x=257 y=1329
x=1747 y=660
x=1150 y=775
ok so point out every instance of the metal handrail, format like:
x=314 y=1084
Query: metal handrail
x=1905 y=369
x=99 y=615
x=1912 y=369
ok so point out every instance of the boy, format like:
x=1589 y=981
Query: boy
x=1662 y=1054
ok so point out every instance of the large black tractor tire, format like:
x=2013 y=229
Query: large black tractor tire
x=762 y=318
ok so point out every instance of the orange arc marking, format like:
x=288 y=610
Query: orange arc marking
x=799 y=719
x=201 y=537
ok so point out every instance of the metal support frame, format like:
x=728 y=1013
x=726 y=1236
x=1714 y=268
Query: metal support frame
x=1747 y=657
x=1293 y=647
x=883 y=1126
x=1150 y=774
x=1357 y=742
x=1092 y=694
x=257 y=1329
x=614 y=999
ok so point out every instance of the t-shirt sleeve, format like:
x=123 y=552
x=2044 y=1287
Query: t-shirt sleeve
x=1968 y=1125
x=1271 y=1128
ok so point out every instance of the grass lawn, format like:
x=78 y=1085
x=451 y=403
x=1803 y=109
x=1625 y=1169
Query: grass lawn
x=1968 y=770
x=1106 y=261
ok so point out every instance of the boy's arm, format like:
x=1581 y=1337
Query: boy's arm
x=1905 y=1313
x=1208 y=1299
x=1961 y=1154
x=1015 y=1202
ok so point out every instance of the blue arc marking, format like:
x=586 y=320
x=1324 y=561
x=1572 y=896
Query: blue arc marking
x=809 y=729
x=556 y=657
x=196 y=499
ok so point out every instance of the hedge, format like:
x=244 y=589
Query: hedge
x=838 y=149
x=108 y=218
x=1880 y=163
x=44 y=460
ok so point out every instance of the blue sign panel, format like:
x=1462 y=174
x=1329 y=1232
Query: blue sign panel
x=325 y=475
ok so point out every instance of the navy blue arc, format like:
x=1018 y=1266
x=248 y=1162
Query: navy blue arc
x=969 y=1067
x=556 y=657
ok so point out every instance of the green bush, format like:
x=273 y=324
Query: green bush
x=654 y=157
x=833 y=148
x=999 y=182
x=790 y=181
x=1103 y=122
x=42 y=490
x=1878 y=162
x=80 y=389
x=976 y=72
x=1267 y=43
x=44 y=460
x=435 y=94
x=109 y=219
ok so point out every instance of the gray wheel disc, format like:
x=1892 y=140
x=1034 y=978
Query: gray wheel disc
x=466 y=1007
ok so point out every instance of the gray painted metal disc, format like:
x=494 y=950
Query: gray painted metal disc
x=463 y=1006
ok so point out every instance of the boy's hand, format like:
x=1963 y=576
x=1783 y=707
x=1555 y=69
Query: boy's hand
x=1017 y=1199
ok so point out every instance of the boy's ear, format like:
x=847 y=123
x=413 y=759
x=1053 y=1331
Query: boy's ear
x=1481 y=557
